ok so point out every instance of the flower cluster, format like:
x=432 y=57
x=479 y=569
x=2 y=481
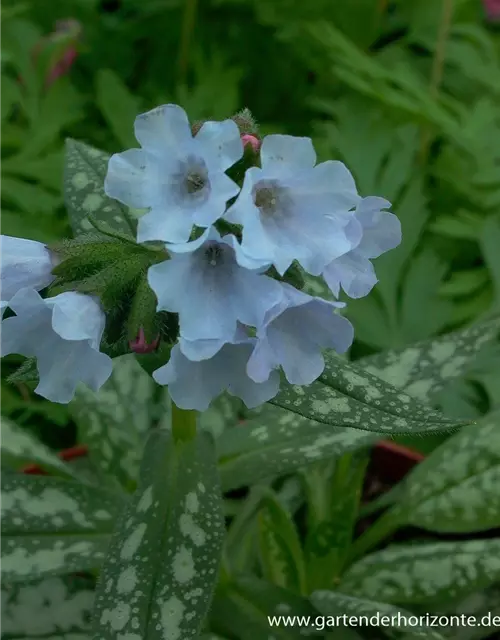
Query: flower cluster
x=230 y=241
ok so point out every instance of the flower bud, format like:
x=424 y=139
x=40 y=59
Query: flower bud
x=140 y=344
x=251 y=140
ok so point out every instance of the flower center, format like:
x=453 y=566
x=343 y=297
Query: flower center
x=270 y=197
x=214 y=254
x=195 y=181
x=190 y=183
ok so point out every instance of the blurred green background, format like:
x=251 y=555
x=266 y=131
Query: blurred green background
x=405 y=92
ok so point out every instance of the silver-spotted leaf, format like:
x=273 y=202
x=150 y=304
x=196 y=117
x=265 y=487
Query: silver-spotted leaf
x=348 y=396
x=279 y=442
x=163 y=560
x=424 y=368
x=41 y=504
x=19 y=447
x=456 y=489
x=113 y=422
x=35 y=556
x=371 y=613
x=56 y=608
x=425 y=573
x=84 y=173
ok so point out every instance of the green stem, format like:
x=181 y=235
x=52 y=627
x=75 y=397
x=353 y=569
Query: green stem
x=188 y=22
x=438 y=66
x=183 y=424
x=383 y=527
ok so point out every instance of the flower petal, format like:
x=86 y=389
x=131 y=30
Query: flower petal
x=193 y=385
x=381 y=229
x=24 y=263
x=163 y=127
x=62 y=362
x=76 y=316
x=160 y=225
x=353 y=272
x=294 y=336
x=130 y=179
x=288 y=152
x=222 y=141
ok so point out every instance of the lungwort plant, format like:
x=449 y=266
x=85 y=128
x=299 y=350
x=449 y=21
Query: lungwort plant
x=228 y=440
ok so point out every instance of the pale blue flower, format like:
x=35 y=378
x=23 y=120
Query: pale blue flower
x=193 y=385
x=293 y=335
x=204 y=282
x=381 y=232
x=180 y=178
x=292 y=210
x=64 y=334
x=24 y=263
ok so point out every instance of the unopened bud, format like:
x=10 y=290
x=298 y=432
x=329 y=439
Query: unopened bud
x=253 y=141
x=140 y=345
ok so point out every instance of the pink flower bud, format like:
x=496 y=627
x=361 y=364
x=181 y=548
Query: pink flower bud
x=248 y=138
x=492 y=8
x=139 y=345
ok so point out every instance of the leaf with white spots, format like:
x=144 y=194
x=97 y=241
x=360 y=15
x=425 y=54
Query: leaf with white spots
x=425 y=573
x=333 y=603
x=224 y=412
x=280 y=549
x=457 y=488
x=34 y=556
x=279 y=442
x=163 y=560
x=56 y=608
x=84 y=173
x=348 y=396
x=19 y=447
x=44 y=505
x=424 y=368
x=241 y=608
x=114 y=421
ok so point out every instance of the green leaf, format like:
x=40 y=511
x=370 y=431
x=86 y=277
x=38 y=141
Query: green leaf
x=424 y=368
x=30 y=198
x=490 y=239
x=331 y=603
x=114 y=421
x=251 y=602
x=280 y=548
x=163 y=560
x=422 y=283
x=118 y=106
x=40 y=504
x=19 y=447
x=455 y=489
x=84 y=173
x=485 y=606
x=333 y=503
x=348 y=396
x=425 y=573
x=279 y=442
x=54 y=608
